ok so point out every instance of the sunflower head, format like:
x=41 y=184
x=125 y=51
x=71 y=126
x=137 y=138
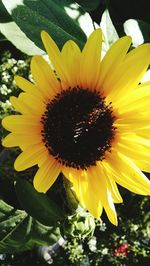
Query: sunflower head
x=78 y=117
x=86 y=117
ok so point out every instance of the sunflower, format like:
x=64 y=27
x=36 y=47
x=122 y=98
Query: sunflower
x=86 y=117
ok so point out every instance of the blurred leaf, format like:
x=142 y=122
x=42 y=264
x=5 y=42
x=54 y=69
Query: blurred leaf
x=82 y=17
x=10 y=218
x=38 y=205
x=108 y=29
x=19 y=231
x=88 y=5
x=44 y=235
x=131 y=28
x=19 y=39
x=34 y=16
x=4 y=15
x=138 y=30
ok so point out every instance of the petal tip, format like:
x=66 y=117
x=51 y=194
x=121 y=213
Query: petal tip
x=97 y=33
x=4 y=143
x=17 y=79
x=37 y=187
x=114 y=220
x=4 y=122
x=44 y=35
x=12 y=98
x=16 y=167
x=116 y=223
x=35 y=59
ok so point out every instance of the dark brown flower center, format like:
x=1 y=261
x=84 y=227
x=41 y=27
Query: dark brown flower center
x=78 y=127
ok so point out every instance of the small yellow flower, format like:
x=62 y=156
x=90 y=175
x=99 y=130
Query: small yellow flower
x=87 y=118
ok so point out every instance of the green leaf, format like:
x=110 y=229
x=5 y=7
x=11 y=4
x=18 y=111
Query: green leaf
x=38 y=205
x=34 y=16
x=44 y=235
x=9 y=219
x=19 y=39
x=88 y=5
x=20 y=232
x=4 y=15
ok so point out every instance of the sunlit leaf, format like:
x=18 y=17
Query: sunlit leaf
x=109 y=31
x=34 y=16
x=13 y=33
x=20 y=232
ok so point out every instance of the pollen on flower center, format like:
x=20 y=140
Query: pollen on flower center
x=78 y=127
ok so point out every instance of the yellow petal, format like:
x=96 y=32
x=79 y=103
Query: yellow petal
x=44 y=77
x=55 y=57
x=27 y=86
x=144 y=133
x=25 y=104
x=90 y=60
x=71 y=59
x=32 y=155
x=84 y=188
x=137 y=100
x=127 y=174
x=136 y=148
x=29 y=101
x=138 y=120
x=135 y=109
x=14 y=140
x=112 y=60
x=129 y=74
x=22 y=124
x=18 y=106
x=46 y=175
x=111 y=184
x=143 y=165
x=99 y=179
x=91 y=189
